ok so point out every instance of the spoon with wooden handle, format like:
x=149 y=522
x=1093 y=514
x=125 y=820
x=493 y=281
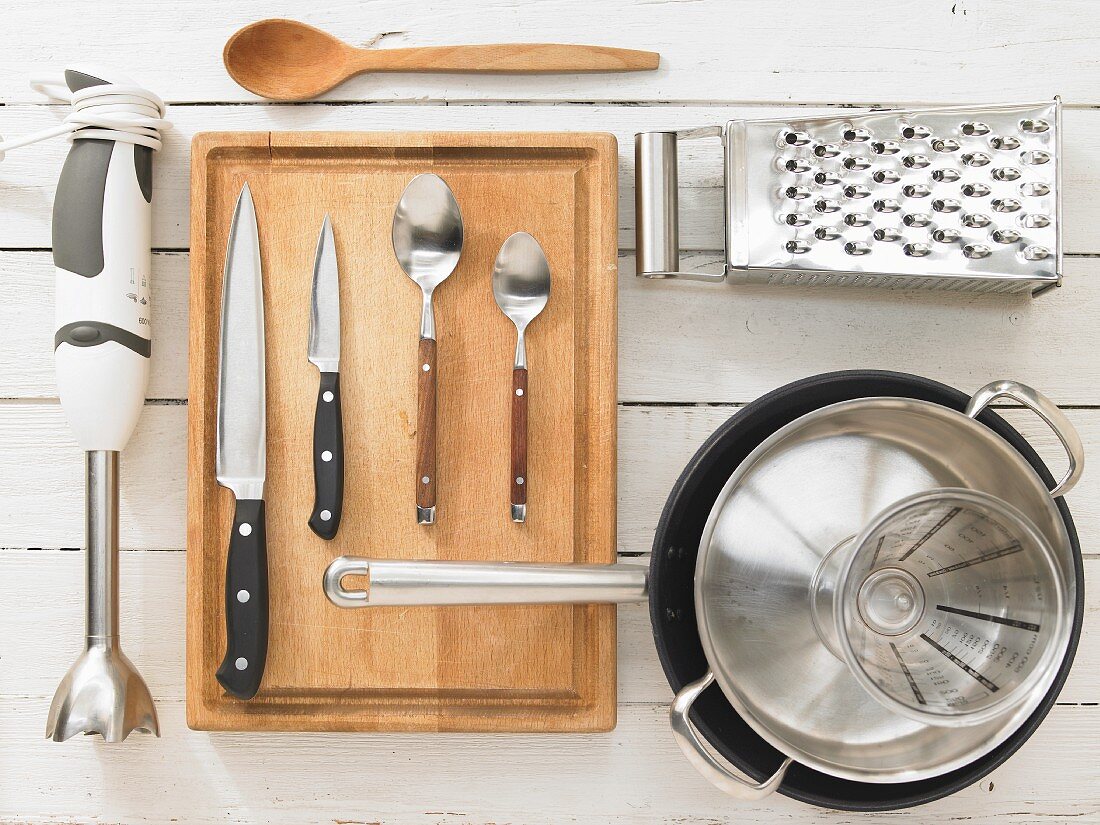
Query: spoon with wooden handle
x=288 y=60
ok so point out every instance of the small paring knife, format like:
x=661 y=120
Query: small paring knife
x=241 y=460
x=324 y=353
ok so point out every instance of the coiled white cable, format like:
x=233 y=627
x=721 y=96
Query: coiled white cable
x=110 y=111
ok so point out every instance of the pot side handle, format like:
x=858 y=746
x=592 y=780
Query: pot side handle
x=1046 y=410
x=716 y=770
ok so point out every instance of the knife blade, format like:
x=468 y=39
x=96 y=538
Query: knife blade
x=241 y=457
x=324 y=353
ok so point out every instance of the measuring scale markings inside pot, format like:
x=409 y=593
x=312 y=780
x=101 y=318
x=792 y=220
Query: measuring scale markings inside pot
x=949 y=608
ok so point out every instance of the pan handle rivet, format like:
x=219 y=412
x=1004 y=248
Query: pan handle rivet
x=245 y=529
x=241 y=663
x=243 y=596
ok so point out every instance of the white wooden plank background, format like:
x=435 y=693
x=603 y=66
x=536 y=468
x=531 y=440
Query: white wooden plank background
x=690 y=354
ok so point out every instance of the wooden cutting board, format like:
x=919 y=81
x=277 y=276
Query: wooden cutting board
x=503 y=668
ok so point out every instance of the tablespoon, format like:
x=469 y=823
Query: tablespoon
x=521 y=286
x=427 y=240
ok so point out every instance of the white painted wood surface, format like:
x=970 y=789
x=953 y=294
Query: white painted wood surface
x=689 y=355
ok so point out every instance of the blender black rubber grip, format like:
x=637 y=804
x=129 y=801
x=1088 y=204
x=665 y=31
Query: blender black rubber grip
x=328 y=475
x=246 y=619
x=78 y=203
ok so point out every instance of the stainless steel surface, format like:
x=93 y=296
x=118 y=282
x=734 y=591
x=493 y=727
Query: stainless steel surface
x=657 y=205
x=705 y=760
x=950 y=608
x=241 y=451
x=807 y=489
x=521 y=285
x=451 y=582
x=831 y=200
x=102 y=692
x=324 y=307
x=1046 y=410
x=427 y=238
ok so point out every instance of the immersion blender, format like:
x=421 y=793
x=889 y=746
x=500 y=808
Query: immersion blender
x=101 y=248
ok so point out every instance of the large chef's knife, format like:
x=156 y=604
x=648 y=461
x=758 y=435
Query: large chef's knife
x=324 y=353
x=241 y=462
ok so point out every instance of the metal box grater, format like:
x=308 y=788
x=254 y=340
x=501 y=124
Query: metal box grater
x=957 y=198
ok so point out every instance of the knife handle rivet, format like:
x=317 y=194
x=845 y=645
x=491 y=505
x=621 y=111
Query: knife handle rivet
x=245 y=529
x=328 y=396
x=243 y=596
x=241 y=663
x=426 y=367
x=519 y=479
x=325 y=515
x=519 y=391
x=425 y=480
x=326 y=455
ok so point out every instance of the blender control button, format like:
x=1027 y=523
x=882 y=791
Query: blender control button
x=84 y=334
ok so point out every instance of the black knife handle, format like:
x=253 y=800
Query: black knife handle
x=328 y=458
x=242 y=668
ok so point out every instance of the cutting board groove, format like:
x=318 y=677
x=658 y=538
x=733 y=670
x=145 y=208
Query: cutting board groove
x=505 y=668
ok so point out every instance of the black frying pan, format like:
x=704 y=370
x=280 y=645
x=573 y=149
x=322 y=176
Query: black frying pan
x=672 y=589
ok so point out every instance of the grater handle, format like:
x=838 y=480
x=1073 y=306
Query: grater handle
x=657 y=206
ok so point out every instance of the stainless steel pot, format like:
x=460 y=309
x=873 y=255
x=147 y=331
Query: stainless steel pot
x=891 y=447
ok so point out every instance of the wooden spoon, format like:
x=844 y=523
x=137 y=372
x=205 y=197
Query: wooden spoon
x=288 y=60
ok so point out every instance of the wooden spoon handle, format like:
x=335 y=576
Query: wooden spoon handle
x=425 y=432
x=519 y=444
x=515 y=58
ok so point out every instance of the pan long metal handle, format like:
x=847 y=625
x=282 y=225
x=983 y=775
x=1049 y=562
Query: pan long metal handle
x=1046 y=410
x=452 y=582
x=717 y=771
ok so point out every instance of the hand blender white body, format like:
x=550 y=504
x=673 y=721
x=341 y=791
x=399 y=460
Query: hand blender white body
x=101 y=241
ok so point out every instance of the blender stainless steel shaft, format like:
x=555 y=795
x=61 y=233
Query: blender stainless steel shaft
x=102 y=692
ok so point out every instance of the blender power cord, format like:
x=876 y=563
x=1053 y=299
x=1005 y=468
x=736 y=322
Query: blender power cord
x=110 y=111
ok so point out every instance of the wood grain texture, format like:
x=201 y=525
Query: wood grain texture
x=153 y=619
x=691 y=348
x=634 y=774
x=507 y=58
x=289 y=60
x=694 y=343
x=41 y=507
x=505 y=668
x=519 y=478
x=724 y=50
x=26 y=207
x=426 y=423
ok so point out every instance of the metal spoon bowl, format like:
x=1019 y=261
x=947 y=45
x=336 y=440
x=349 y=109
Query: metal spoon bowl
x=427 y=238
x=521 y=285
